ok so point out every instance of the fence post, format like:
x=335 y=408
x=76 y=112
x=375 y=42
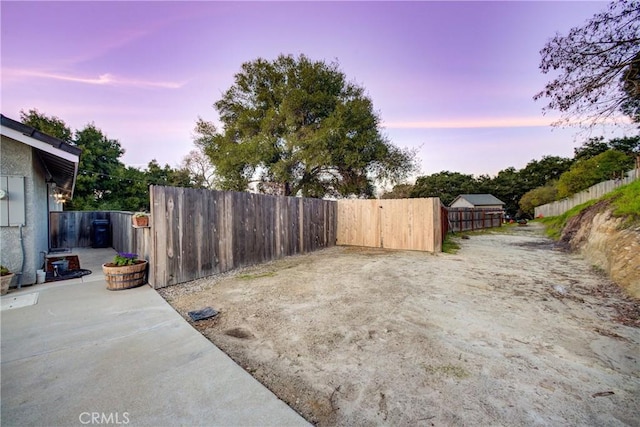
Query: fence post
x=301 y=223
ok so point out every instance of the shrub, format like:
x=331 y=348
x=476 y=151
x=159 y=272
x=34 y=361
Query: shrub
x=124 y=258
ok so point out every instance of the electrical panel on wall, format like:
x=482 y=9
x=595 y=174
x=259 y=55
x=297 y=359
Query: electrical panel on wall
x=12 y=201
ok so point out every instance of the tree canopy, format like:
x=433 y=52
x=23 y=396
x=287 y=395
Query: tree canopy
x=629 y=145
x=509 y=185
x=538 y=196
x=445 y=185
x=584 y=173
x=51 y=125
x=97 y=182
x=300 y=126
x=598 y=67
x=103 y=181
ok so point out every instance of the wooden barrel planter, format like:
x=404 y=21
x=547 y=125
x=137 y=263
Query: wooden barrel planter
x=5 y=282
x=126 y=276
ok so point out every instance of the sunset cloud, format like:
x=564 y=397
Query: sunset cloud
x=101 y=80
x=507 y=122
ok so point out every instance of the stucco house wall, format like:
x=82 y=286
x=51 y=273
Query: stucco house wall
x=18 y=159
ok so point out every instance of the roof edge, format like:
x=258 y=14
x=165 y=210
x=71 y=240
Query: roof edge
x=40 y=136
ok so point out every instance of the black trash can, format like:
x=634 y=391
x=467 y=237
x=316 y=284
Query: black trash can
x=100 y=233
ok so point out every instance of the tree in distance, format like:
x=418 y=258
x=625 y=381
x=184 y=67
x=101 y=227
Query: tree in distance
x=399 y=191
x=538 y=196
x=629 y=145
x=103 y=181
x=599 y=68
x=445 y=185
x=583 y=174
x=299 y=126
x=51 y=125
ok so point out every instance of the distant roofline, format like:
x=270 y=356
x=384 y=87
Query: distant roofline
x=466 y=197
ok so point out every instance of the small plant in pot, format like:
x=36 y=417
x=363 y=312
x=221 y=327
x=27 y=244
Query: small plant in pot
x=140 y=219
x=124 y=272
x=5 y=279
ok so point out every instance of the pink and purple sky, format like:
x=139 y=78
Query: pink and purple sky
x=453 y=79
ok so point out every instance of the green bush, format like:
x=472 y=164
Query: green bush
x=626 y=201
x=585 y=173
x=538 y=196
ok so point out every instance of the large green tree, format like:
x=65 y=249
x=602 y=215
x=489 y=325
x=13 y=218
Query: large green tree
x=506 y=187
x=168 y=176
x=584 y=173
x=133 y=190
x=51 y=125
x=99 y=164
x=629 y=145
x=595 y=67
x=299 y=125
x=539 y=172
x=399 y=191
x=590 y=148
x=445 y=185
x=99 y=171
x=104 y=182
x=538 y=196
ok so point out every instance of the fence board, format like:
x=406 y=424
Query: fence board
x=411 y=224
x=591 y=193
x=469 y=219
x=198 y=233
x=158 y=270
x=74 y=229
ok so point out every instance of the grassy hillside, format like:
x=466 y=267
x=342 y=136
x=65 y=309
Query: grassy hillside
x=625 y=201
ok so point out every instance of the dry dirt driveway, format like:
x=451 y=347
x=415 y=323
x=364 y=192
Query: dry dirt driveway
x=509 y=331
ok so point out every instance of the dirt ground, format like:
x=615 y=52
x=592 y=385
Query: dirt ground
x=508 y=331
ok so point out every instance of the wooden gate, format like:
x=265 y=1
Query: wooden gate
x=412 y=224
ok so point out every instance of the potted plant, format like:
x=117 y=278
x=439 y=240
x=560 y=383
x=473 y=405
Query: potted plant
x=5 y=279
x=140 y=219
x=126 y=271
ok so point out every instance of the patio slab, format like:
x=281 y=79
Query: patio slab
x=123 y=356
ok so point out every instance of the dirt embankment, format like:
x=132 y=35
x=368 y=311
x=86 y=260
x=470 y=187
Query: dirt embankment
x=598 y=236
x=509 y=331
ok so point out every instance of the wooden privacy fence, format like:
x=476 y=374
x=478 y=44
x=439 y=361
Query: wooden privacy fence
x=198 y=233
x=126 y=238
x=412 y=224
x=470 y=219
x=591 y=193
x=74 y=229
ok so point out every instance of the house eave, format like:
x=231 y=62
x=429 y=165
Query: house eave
x=59 y=159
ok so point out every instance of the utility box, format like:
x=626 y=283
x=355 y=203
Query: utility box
x=12 y=201
x=100 y=233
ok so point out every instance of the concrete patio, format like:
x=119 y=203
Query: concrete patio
x=85 y=355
